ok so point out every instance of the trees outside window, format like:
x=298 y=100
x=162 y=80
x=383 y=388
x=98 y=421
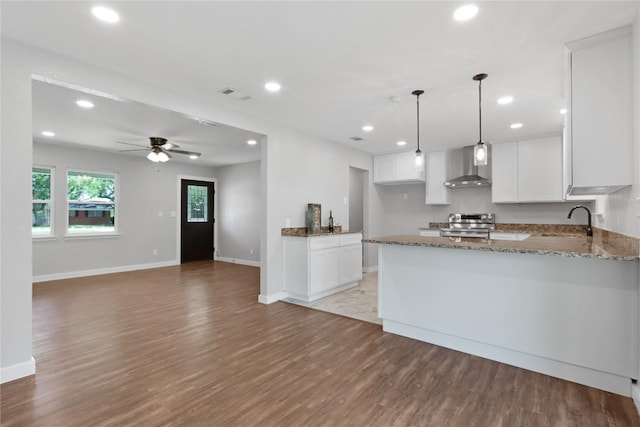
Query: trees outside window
x=42 y=201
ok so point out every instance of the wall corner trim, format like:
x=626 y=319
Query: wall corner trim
x=635 y=395
x=17 y=371
x=269 y=299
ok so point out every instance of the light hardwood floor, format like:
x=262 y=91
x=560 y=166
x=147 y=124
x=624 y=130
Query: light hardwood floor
x=191 y=346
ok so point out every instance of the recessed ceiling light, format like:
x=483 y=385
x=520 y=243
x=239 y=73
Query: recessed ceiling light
x=105 y=14
x=516 y=125
x=272 y=86
x=193 y=156
x=401 y=143
x=84 y=103
x=563 y=111
x=505 y=100
x=48 y=133
x=252 y=142
x=367 y=128
x=466 y=12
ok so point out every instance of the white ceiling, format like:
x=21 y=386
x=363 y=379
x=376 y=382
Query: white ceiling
x=339 y=63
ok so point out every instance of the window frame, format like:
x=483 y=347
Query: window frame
x=50 y=201
x=115 y=203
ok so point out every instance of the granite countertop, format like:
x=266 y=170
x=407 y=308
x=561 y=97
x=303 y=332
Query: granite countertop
x=603 y=245
x=302 y=232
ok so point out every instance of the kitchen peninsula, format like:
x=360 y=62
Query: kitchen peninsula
x=565 y=306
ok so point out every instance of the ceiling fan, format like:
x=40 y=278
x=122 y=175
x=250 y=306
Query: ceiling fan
x=159 y=149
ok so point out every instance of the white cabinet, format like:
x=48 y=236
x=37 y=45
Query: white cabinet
x=396 y=168
x=600 y=114
x=317 y=266
x=527 y=171
x=437 y=165
x=504 y=172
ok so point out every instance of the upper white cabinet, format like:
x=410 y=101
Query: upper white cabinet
x=600 y=114
x=396 y=168
x=527 y=171
x=437 y=166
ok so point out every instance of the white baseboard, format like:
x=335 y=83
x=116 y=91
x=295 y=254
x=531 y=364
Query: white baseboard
x=371 y=269
x=269 y=299
x=108 y=270
x=238 y=261
x=17 y=371
x=578 y=374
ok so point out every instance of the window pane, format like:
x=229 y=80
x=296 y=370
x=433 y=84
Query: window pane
x=41 y=215
x=91 y=202
x=197 y=203
x=41 y=184
x=41 y=219
x=91 y=217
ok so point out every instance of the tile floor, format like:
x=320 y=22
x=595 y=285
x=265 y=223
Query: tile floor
x=360 y=302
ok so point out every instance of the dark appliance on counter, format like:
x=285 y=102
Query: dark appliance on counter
x=476 y=225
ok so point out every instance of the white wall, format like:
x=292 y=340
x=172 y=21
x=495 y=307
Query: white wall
x=300 y=171
x=356 y=198
x=147 y=195
x=239 y=212
x=295 y=169
x=407 y=215
x=15 y=226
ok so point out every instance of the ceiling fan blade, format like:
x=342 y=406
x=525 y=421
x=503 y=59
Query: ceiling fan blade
x=128 y=143
x=170 y=146
x=188 y=153
x=134 y=149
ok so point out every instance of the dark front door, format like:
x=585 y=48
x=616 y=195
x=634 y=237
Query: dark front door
x=196 y=231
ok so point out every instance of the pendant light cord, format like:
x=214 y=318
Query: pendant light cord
x=418 y=119
x=480 y=108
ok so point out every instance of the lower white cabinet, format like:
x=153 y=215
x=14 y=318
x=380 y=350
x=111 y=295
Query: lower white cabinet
x=527 y=171
x=317 y=266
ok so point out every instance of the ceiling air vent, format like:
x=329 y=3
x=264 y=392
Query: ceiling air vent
x=234 y=94
x=356 y=138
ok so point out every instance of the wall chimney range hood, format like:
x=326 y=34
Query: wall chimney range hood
x=470 y=177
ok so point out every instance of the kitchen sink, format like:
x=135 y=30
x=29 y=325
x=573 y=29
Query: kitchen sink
x=504 y=235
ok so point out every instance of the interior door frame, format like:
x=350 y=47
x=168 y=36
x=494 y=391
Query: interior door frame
x=179 y=213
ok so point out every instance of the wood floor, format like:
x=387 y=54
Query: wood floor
x=191 y=346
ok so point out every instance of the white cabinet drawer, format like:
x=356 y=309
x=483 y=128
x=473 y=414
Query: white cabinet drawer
x=350 y=239
x=323 y=242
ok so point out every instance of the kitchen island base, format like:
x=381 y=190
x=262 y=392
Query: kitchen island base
x=569 y=317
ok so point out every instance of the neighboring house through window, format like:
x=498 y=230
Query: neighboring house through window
x=91 y=201
x=42 y=201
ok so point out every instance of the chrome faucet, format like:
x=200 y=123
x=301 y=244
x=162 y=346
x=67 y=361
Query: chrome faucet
x=589 y=230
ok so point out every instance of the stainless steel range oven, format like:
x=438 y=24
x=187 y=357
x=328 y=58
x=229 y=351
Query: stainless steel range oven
x=476 y=225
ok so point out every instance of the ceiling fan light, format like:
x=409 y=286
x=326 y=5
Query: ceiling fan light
x=153 y=156
x=162 y=157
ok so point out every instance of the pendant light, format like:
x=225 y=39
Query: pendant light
x=419 y=161
x=481 y=149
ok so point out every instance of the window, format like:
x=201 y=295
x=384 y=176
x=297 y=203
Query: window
x=42 y=201
x=91 y=199
x=197 y=203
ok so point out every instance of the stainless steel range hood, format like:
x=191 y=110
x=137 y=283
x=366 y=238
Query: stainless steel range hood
x=470 y=177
